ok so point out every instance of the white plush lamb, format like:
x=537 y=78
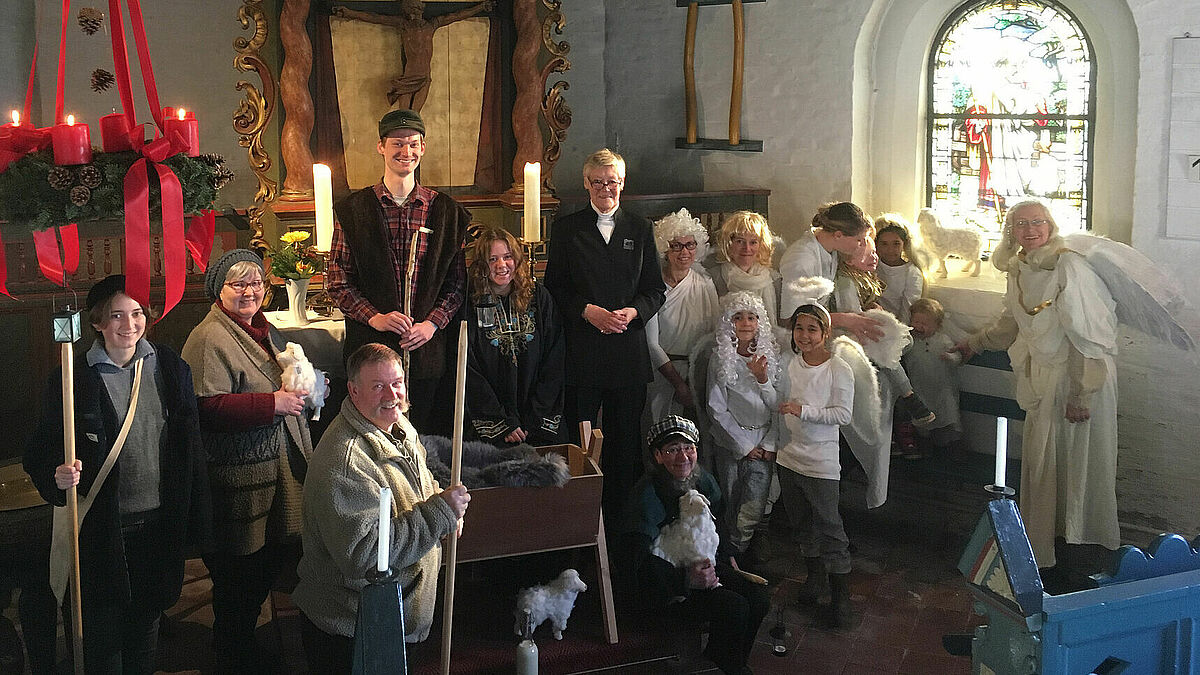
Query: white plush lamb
x=941 y=241
x=299 y=375
x=553 y=601
x=692 y=538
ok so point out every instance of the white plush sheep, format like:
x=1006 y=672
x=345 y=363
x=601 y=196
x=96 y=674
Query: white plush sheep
x=692 y=538
x=941 y=241
x=299 y=375
x=553 y=601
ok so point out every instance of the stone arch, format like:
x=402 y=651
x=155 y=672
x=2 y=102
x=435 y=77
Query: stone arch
x=890 y=70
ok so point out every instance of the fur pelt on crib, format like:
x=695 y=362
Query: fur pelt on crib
x=485 y=465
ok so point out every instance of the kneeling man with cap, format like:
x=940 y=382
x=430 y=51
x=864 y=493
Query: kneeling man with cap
x=710 y=591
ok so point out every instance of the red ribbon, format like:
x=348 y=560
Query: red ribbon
x=56 y=264
x=62 y=63
x=199 y=237
x=136 y=184
x=137 y=233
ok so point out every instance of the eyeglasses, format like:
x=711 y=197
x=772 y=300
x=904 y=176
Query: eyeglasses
x=598 y=184
x=677 y=246
x=680 y=449
x=241 y=286
x=1030 y=223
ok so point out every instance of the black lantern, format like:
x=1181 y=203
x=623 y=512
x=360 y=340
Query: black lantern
x=67 y=325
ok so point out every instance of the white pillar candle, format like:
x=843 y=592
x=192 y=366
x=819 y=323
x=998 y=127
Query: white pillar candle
x=1001 y=450
x=323 y=205
x=533 y=202
x=385 y=530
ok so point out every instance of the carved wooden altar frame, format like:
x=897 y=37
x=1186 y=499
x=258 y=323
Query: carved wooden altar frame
x=539 y=113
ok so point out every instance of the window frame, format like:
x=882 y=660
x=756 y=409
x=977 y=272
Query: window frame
x=931 y=116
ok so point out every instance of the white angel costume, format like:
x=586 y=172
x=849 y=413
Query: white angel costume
x=762 y=281
x=868 y=435
x=932 y=372
x=685 y=318
x=805 y=258
x=904 y=284
x=744 y=416
x=1060 y=328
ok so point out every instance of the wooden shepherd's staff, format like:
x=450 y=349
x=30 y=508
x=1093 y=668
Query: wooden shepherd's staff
x=68 y=393
x=739 y=60
x=460 y=391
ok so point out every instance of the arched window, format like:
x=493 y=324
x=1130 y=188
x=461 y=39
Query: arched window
x=1011 y=105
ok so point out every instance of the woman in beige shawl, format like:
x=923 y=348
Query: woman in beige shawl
x=257 y=441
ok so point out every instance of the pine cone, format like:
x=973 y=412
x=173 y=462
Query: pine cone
x=90 y=176
x=80 y=195
x=221 y=177
x=212 y=159
x=101 y=80
x=90 y=20
x=60 y=178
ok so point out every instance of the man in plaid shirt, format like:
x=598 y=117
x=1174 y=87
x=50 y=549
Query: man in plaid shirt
x=397 y=269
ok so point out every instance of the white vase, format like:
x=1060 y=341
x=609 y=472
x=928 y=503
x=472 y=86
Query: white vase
x=297 y=290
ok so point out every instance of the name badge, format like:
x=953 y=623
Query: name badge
x=628 y=244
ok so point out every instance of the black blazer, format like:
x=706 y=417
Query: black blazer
x=583 y=270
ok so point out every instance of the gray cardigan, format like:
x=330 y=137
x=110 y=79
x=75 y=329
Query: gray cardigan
x=350 y=465
x=255 y=473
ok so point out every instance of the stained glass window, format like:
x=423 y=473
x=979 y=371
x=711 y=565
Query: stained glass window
x=1011 y=97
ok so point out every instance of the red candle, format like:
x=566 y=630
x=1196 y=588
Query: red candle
x=186 y=124
x=72 y=143
x=24 y=138
x=7 y=156
x=114 y=132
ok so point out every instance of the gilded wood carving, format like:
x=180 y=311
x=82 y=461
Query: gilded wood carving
x=254 y=111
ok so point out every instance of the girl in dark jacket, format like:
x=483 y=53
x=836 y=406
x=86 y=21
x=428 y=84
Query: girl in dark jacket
x=152 y=504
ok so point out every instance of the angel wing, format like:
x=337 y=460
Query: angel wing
x=887 y=350
x=698 y=378
x=1146 y=298
x=867 y=408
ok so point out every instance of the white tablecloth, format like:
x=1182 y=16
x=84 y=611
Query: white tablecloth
x=321 y=338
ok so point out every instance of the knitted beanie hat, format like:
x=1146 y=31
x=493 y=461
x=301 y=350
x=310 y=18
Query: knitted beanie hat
x=214 y=279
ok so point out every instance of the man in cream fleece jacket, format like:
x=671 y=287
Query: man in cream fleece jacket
x=370 y=445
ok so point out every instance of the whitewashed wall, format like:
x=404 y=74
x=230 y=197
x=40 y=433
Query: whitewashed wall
x=834 y=89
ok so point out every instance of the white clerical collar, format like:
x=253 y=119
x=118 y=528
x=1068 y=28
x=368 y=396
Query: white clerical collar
x=605 y=215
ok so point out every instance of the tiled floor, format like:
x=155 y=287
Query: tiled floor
x=904 y=587
x=905 y=590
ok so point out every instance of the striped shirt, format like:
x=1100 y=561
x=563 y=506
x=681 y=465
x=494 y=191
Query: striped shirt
x=401 y=221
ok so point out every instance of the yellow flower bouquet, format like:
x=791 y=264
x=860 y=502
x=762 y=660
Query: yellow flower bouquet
x=294 y=260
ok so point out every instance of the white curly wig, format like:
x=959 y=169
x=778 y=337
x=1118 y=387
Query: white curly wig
x=764 y=343
x=680 y=224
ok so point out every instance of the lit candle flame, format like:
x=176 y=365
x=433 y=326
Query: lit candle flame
x=180 y=113
x=16 y=118
x=70 y=120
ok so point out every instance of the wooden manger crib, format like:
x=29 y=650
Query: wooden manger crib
x=512 y=521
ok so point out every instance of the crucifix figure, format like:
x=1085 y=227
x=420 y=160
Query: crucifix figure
x=411 y=88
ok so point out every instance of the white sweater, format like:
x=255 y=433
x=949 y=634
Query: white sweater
x=809 y=443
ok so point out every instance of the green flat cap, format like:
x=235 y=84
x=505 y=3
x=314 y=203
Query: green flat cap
x=401 y=119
